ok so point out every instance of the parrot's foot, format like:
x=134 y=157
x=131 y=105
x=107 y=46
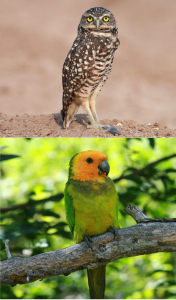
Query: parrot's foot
x=110 y=129
x=112 y=230
x=88 y=241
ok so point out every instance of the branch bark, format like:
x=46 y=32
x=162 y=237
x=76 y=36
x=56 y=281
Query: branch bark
x=144 y=238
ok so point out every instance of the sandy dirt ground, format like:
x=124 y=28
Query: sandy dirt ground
x=35 y=37
x=51 y=126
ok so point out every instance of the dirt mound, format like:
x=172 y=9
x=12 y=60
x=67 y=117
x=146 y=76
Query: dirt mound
x=51 y=126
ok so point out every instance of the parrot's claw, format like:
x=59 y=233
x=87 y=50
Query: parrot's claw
x=112 y=230
x=88 y=241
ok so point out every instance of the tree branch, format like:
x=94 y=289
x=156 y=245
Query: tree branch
x=61 y=195
x=131 y=241
x=140 y=217
x=7 y=249
x=55 y=198
x=140 y=171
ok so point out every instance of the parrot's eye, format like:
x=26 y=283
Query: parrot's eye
x=89 y=160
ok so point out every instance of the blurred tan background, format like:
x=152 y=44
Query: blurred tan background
x=36 y=35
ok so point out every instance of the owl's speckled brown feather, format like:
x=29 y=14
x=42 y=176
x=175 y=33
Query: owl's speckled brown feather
x=88 y=64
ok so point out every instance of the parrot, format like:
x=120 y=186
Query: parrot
x=91 y=206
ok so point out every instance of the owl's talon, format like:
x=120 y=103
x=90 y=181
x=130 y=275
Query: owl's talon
x=92 y=126
x=88 y=126
x=111 y=129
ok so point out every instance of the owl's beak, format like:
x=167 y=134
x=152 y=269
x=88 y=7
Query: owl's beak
x=98 y=24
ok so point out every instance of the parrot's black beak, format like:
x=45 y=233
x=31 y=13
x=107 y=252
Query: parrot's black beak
x=104 y=168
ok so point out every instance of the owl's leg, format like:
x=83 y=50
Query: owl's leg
x=92 y=103
x=72 y=110
x=108 y=128
x=93 y=110
x=85 y=105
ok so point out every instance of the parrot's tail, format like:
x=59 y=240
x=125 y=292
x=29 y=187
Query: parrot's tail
x=96 y=281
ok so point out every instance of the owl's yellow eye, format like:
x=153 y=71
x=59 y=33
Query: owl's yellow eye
x=106 y=19
x=89 y=19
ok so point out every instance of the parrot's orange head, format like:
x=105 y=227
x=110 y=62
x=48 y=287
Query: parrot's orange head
x=89 y=166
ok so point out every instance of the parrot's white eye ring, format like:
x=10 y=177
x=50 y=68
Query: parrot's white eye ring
x=89 y=160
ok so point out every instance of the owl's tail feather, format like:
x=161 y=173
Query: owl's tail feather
x=96 y=281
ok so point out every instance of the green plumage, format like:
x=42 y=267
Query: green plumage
x=96 y=281
x=91 y=206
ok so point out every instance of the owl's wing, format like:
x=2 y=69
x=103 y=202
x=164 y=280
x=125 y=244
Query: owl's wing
x=116 y=42
x=77 y=67
x=69 y=209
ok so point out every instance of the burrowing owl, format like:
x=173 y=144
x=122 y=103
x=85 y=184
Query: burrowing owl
x=88 y=64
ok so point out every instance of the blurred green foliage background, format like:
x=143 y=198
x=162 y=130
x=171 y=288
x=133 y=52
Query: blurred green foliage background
x=40 y=173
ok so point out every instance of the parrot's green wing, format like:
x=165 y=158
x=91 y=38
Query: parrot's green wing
x=69 y=209
x=117 y=210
